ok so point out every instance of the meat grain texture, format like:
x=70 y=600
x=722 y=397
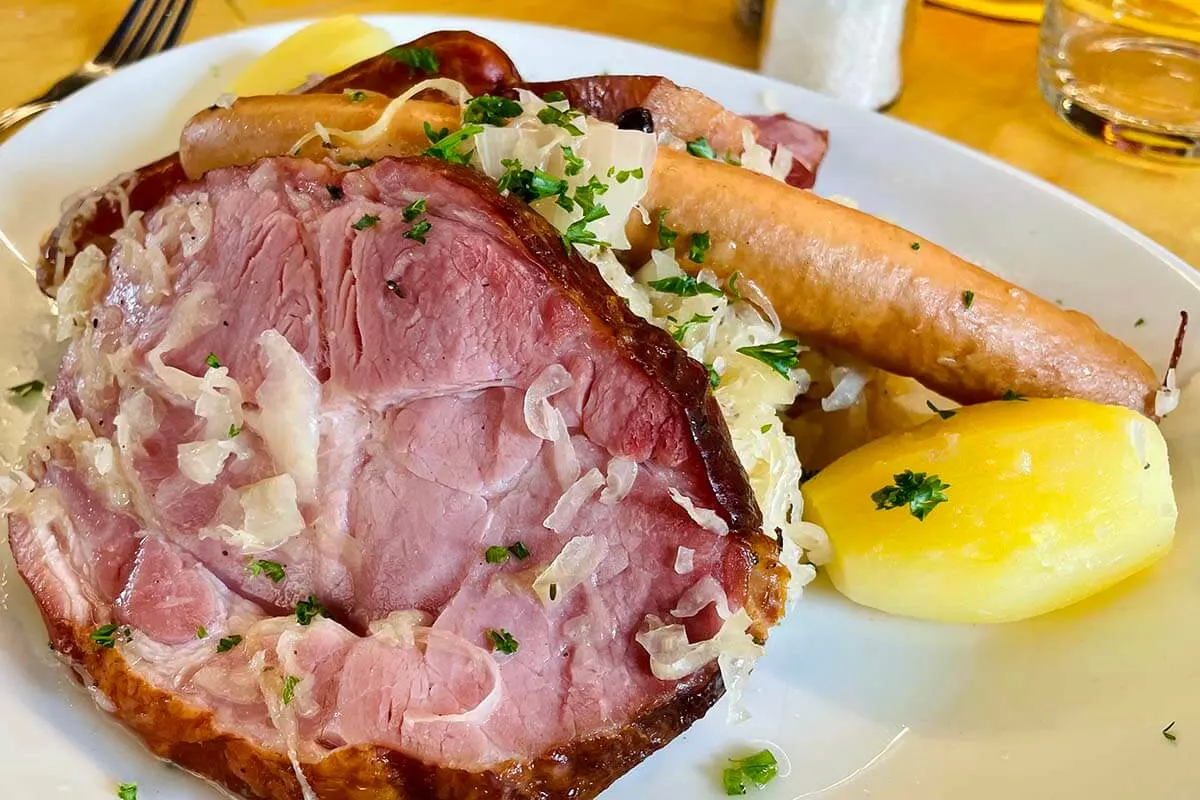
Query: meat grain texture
x=414 y=359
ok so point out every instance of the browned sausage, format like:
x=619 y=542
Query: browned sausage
x=836 y=276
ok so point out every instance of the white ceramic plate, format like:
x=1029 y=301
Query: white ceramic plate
x=1067 y=706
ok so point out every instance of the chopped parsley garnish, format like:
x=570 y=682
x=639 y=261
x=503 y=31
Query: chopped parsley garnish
x=498 y=554
x=666 y=235
x=765 y=428
x=585 y=195
x=201 y=632
x=444 y=145
x=234 y=430
x=212 y=361
x=502 y=641
x=780 y=356
x=272 y=569
x=758 y=769
x=731 y=286
x=1011 y=395
x=915 y=245
x=355 y=95
x=421 y=58
x=554 y=591
x=227 y=643
x=714 y=380
x=289 y=689
x=968 y=298
x=308 y=609
x=334 y=191
x=529 y=185
x=684 y=286
x=920 y=492
x=554 y=96
x=573 y=164
x=108 y=635
x=700 y=148
x=1166 y=732
x=127 y=791
x=417 y=231
x=553 y=116
x=365 y=221
x=944 y=413
x=681 y=330
x=414 y=209
x=489 y=110
x=1140 y=322
x=699 y=247
x=577 y=232
x=626 y=174
x=23 y=390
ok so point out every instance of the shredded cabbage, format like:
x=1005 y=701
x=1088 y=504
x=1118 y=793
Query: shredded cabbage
x=573 y=499
x=704 y=517
x=622 y=473
x=574 y=565
x=289 y=401
x=259 y=517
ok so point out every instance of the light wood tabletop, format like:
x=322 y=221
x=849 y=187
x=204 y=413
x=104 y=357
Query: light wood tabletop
x=967 y=78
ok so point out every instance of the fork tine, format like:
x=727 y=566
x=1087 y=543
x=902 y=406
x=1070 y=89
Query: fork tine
x=177 y=26
x=126 y=28
x=136 y=44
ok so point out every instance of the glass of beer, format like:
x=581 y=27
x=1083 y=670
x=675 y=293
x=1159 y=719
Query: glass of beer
x=1126 y=72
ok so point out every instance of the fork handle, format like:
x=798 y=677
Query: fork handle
x=12 y=117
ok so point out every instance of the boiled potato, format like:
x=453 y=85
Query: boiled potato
x=321 y=48
x=1046 y=503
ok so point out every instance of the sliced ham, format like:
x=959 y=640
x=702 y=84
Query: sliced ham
x=374 y=663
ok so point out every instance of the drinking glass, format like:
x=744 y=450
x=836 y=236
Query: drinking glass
x=1126 y=72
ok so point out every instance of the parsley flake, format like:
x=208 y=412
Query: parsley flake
x=272 y=569
x=201 y=632
x=714 y=380
x=554 y=591
x=1011 y=395
x=212 y=361
x=127 y=791
x=365 y=221
x=700 y=148
x=414 y=209
x=780 y=356
x=421 y=58
x=1140 y=322
x=577 y=232
x=234 y=430
x=23 y=390
x=355 y=95
x=496 y=554
x=699 y=246
x=666 y=235
x=968 y=297
x=731 y=287
x=944 y=413
x=519 y=550
x=289 y=689
x=553 y=116
x=502 y=641
x=684 y=286
x=681 y=330
x=227 y=643
x=489 y=110
x=335 y=192
x=915 y=245
x=573 y=164
x=626 y=174
x=529 y=185
x=417 y=231
x=444 y=145
x=308 y=609
x=765 y=428
x=758 y=769
x=554 y=96
x=107 y=636
x=920 y=492
x=1166 y=732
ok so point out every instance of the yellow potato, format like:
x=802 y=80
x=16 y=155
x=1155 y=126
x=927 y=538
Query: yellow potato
x=1049 y=501
x=323 y=48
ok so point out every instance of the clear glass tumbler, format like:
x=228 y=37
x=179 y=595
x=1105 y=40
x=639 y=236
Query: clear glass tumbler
x=1126 y=72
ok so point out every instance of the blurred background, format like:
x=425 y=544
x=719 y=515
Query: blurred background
x=965 y=69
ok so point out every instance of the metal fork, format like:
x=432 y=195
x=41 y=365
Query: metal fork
x=148 y=27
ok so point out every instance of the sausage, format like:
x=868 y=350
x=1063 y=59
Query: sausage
x=836 y=276
x=472 y=60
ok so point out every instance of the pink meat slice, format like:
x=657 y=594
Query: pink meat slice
x=423 y=352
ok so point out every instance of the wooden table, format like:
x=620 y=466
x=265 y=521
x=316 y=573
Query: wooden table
x=969 y=79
